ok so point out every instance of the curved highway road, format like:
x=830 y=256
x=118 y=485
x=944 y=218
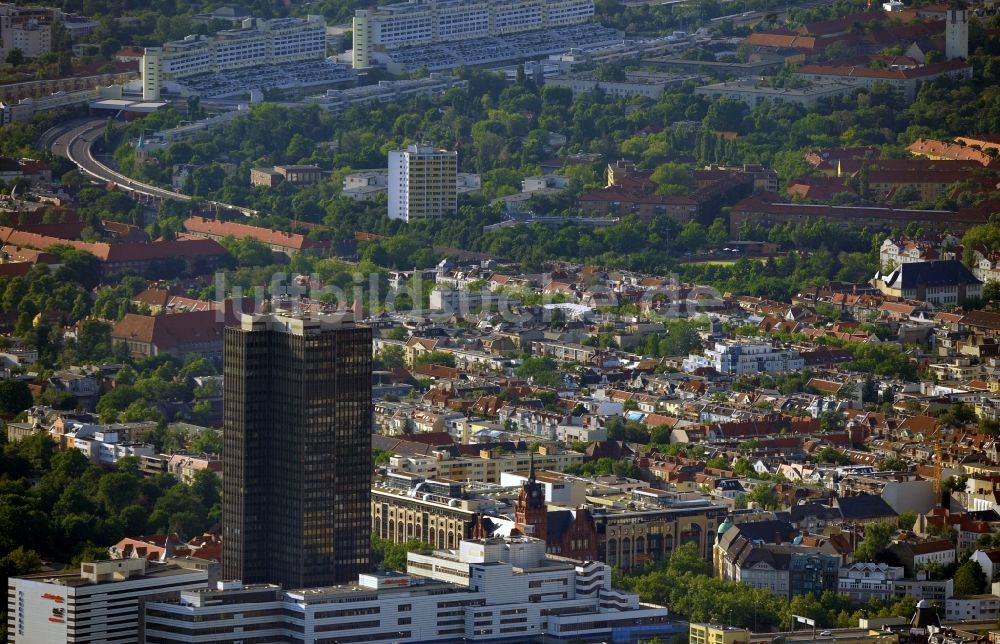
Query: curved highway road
x=74 y=139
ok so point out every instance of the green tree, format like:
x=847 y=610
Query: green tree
x=893 y=464
x=681 y=338
x=831 y=455
x=15 y=57
x=436 y=357
x=905 y=520
x=207 y=441
x=969 y=578
x=878 y=536
x=954 y=484
x=15 y=396
x=672 y=179
x=765 y=496
x=20 y=561
x=687 y=560
x=392 y=556
x=542 y=371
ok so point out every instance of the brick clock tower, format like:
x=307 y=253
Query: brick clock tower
x=531 y=514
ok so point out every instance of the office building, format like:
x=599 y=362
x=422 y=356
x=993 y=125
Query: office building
x=496 y=589
x=100 y=602
x=424 y=23
x=529 y=594
x=258 y=42
x=297 y=423
x=422 y=183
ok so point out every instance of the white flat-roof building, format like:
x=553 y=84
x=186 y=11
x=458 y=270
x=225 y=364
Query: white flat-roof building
x=97 y=603
x=752 y=91
x=739 y=359
x=497 y=589
x=972 y=608
x=434 y=21
x=645 y=84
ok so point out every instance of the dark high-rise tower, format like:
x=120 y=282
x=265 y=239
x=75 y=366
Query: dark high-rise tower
x=297 y=435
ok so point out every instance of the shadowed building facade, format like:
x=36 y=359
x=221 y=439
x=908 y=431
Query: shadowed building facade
x=297 y=439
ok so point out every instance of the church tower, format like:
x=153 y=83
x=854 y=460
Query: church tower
x=956 y=35
x=531 y=515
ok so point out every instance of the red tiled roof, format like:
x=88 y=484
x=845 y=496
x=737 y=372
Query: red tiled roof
x=782 y=41
x=65 y=230
x=203 y=226
x=911 y=165
x=842 y=24
x=15 y=269
x=169 y=331
x=920 y=424
x=742 y=429
x=928 y=176
x=851 y=71
x=630 y=196
x=436 y=439
x=817 y=188
x=124 y=252
x=768 y=203
x=365 y=236
x=435 y=371
x=825 y=386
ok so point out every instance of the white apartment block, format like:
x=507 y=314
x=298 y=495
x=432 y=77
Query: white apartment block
x=866 y=581
x=98 y=603
x=434 y=21
x=258 y=42
x=485 y=590
x=485 y=468
x=106 y=447
x=894 y=252
x=422 y=183
x=33 y=38
x=933 y=554
x=972 y=608
x=739 y=359
x=26 y=28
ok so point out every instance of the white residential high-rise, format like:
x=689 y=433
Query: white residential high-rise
x=99 y=603
x=422 y=183
x=152 y=69
x=956 y=35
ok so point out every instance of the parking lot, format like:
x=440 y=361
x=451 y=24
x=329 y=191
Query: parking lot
x=291 y=75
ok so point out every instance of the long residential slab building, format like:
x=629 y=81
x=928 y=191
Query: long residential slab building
x=433 y=21
x=258 y=42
